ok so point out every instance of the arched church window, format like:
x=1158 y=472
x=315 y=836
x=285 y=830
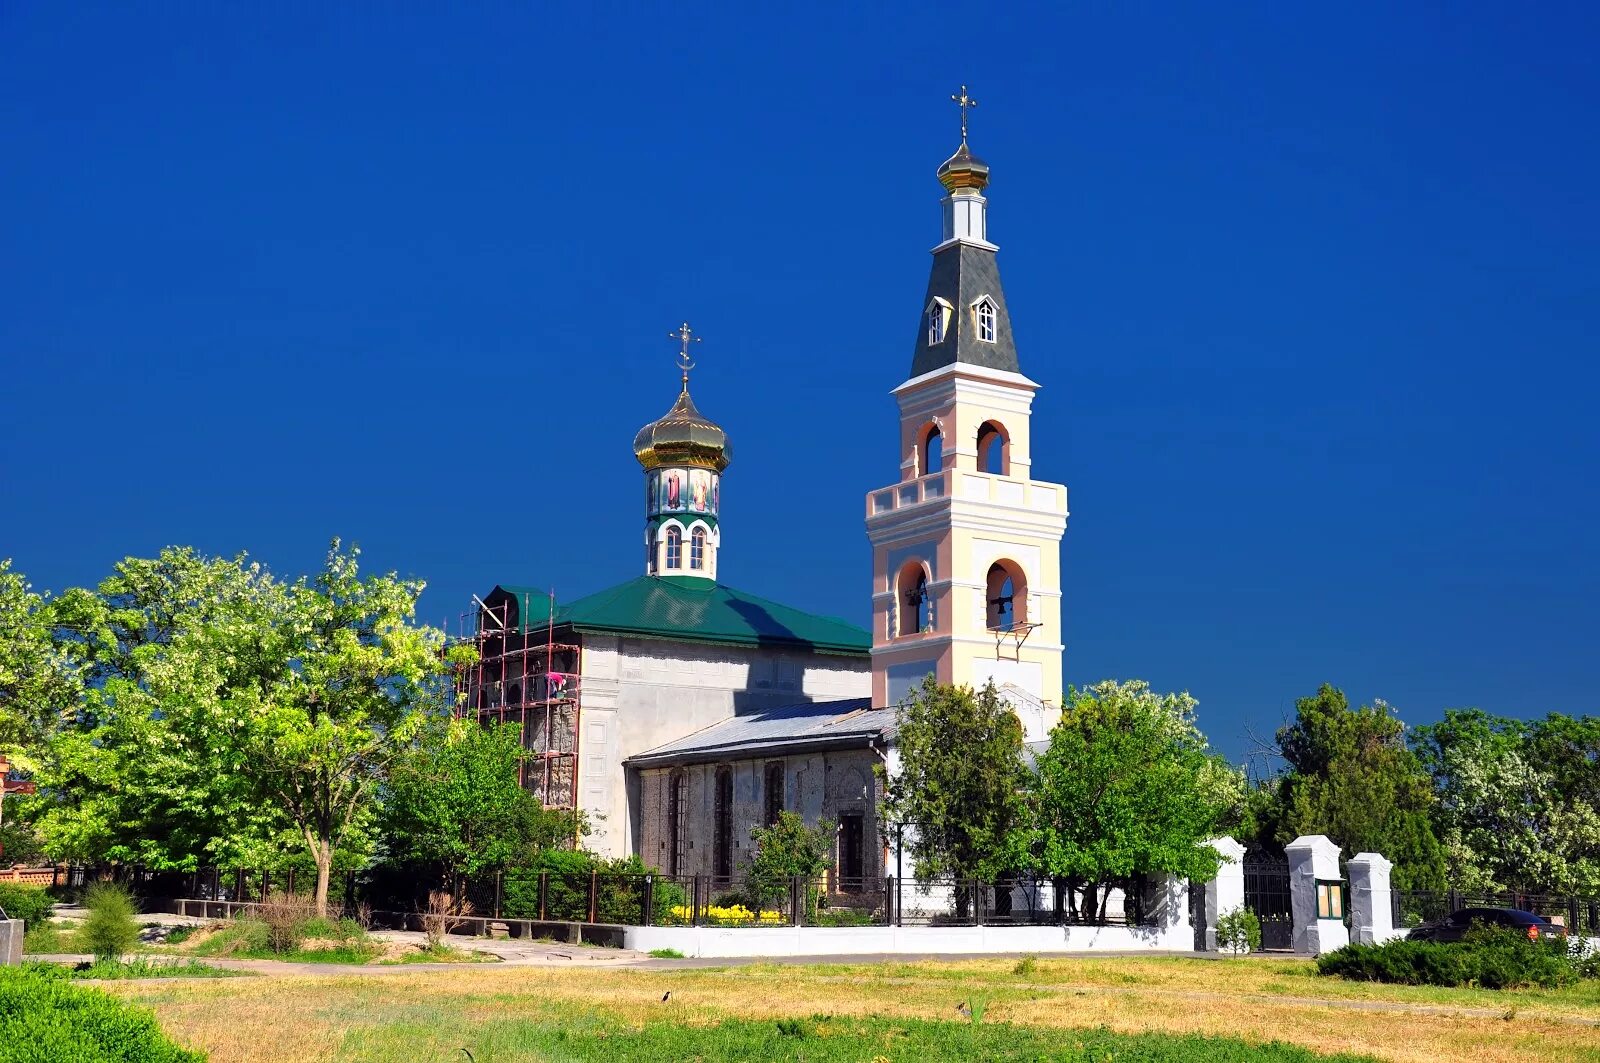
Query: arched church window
x=773 y=785
x=936 y=324
x=1007 y=597
x=674 y=547
x=722 y=827
x=677 y=821
x=986 y=326
x=994 y=450
x=932 y=455
x=697 y=549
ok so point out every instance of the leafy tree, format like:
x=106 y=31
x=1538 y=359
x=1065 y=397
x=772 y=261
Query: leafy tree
x=956 y=801
x=1351 y=777
x=1516 y=808
x=358 y=684
x=1129 y=788
x=150 y=771
x=785 y=851
x=228 y=711
x=455 y=803
x=39 y=684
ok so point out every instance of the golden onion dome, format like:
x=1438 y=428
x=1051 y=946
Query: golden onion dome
x=963 y=170
x=683 y=437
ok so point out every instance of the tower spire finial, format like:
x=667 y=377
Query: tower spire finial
x=966 y=103
x=685 y=336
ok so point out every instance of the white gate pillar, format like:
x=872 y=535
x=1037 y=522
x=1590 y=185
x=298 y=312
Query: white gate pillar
x=1371 y=902
x=1314 y=862
x=1225 y=893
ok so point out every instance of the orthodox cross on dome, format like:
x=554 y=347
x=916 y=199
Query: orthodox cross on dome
x=966 y=103
x=685 y=336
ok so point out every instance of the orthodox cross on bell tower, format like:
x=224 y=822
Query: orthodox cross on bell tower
x=966 y=103
x=685 y=336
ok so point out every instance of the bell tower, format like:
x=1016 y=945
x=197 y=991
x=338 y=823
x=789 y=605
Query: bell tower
x=966 y=547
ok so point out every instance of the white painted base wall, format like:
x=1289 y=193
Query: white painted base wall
x=708 y=941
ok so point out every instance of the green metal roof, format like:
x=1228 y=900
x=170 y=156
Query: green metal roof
x=697 y=610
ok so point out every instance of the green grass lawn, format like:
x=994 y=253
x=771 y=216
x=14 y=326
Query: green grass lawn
x=1126 y=1009
x=565 y=1034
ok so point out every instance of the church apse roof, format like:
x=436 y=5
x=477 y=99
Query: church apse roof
x=694 y=610
x=787 y=729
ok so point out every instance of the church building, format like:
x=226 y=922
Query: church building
x=678 y=712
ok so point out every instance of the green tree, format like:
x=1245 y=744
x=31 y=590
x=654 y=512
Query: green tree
x=1516 y=800
x=150 y=771
x=1127 y=788
x=230 y=712
x=956 y=801
x=39 y=682
x=455 y=803
x=1351 y=777
x=359 y=683
x=787 y=850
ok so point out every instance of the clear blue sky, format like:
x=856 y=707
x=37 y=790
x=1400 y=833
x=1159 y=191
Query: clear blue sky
x=1314 y=300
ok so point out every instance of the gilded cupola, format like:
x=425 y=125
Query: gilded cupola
x=684 y=436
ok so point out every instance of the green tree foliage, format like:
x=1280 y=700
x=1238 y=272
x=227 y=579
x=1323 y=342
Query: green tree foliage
x=1516 y=800
x=455 y=803
x=1128 y=787
x=785 y=851
x=39 y=683
x=229 y=711
x=153 y=772
x=1351 y=777
x=957 y=798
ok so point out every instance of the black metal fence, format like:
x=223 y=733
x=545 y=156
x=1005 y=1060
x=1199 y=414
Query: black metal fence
x=1580 y=915
x=706 y=900
x=661 y=900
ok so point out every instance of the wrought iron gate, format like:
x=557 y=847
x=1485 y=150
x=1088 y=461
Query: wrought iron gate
x=1266 y=893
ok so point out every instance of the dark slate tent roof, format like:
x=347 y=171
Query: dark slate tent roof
x=962 y=274
x=695 y=610
x=786 y=729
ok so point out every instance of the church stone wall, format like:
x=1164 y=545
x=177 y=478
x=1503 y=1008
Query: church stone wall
x=639 y=693
x=817 y=785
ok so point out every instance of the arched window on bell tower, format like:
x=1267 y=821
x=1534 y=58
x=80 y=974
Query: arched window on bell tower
x=930 y=451
x=1007 y=597
x=994 y=449
x=916 y=606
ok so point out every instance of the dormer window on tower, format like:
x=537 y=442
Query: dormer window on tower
x=938 y=320
x=983 y=311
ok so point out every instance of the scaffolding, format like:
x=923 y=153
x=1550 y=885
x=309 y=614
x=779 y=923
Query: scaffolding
x=524 y=676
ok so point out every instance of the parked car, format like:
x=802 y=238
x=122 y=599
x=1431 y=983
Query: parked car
x=1454 y=926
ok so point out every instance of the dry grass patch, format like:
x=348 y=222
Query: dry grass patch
x=283 y=1019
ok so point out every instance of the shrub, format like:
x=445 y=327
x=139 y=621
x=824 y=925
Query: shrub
x=31 y=904
x=285 y=916
x=440 y=914
x=110 y=931
x=45 y=1019
x=1489 y=958
x=1239 y=932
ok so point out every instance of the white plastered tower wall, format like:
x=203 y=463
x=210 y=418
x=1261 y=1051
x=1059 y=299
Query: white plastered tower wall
x=967 y=553
x=959 y=523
